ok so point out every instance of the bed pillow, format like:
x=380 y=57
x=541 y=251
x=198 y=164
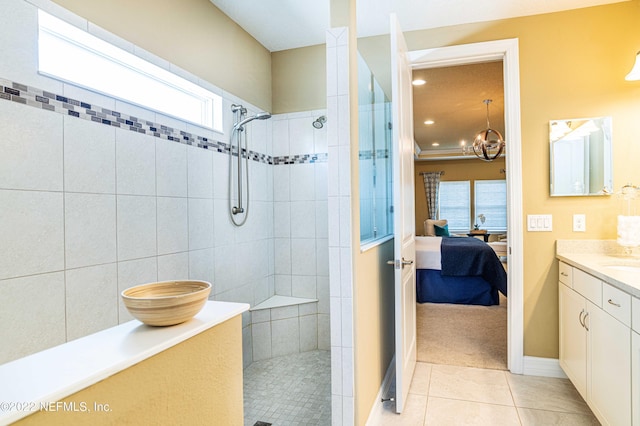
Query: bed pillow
x=441 y=231
x=429 y=224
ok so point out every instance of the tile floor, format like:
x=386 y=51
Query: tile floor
x=450 y=395
x=289 y=390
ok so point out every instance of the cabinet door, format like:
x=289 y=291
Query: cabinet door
x=609 y=354
x=635 y=379
x=573 y=338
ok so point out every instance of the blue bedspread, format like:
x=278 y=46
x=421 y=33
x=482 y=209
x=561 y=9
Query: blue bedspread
x=468 y=256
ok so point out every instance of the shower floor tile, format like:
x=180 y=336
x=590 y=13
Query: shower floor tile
x=289 y=390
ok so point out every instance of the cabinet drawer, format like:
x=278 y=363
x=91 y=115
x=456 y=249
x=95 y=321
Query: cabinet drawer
x=635 y=314
x=565 y=274
x=588 y=286
x=617 y=303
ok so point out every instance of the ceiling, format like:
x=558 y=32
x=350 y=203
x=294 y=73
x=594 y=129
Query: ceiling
x=287 y=24
x=453 y=98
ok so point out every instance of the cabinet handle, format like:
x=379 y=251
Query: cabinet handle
x=580 y=318
x=617 y=305
x=586 y=315
x=564 y=274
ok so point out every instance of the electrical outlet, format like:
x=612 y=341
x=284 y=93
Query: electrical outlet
x=579 y=223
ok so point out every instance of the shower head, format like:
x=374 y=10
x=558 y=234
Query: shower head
x=258 y=116
x=319 y=123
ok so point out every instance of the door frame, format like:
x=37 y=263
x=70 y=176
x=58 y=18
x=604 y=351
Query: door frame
x=507 y=51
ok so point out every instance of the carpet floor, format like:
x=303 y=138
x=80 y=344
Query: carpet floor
x=464 y=335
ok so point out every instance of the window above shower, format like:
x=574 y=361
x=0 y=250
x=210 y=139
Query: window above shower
x=70 y=54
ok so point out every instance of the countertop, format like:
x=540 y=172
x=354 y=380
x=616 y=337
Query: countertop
x=30 y=383
x=596 y=264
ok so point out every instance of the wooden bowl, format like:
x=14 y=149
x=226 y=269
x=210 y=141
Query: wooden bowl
x=167 y=302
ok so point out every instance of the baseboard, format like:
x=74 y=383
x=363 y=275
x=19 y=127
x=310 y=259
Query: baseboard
x=547 y=367
x=375 y=415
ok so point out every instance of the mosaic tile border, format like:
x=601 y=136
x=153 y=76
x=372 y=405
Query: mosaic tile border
x=28 y=95
x=370 y=154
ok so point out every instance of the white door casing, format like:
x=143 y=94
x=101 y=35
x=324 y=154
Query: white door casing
x=404 y=215
x=507 y=51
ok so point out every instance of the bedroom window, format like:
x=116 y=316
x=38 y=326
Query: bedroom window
x=491 y=201
x=70 y=54
x=455 y=204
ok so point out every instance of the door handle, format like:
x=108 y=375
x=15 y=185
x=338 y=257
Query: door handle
x=397 y=263
x=406 y=262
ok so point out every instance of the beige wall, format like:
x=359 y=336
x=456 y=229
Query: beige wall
x=453 y=170
x=572 y=64
x=299 y=79
x=198 y=381
x=192 y=34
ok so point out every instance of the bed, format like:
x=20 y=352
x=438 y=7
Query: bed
x=462 y=270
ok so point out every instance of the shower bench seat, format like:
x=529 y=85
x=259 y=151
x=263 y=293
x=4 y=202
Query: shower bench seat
x=284 y=325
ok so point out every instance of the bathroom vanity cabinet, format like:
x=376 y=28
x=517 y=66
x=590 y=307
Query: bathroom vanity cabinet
x=596 y=344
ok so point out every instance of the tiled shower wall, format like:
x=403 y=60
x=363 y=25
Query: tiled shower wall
x=90 y=208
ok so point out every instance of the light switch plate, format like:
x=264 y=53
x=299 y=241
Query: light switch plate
x=539 y=223
x=579 y=223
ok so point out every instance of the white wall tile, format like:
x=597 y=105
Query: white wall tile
x=346 y=273
x=301 y=136
x=224 y=268
x=308 y=308
x=303 y=286
x=322 y=257
x=285 y=337
x=302 y=182
x=260 y=290
x=284 y=312
x=282 y=219
x=91 y=299
x=136 y=226
x=31 y=146
x=172 y=229
x=220 y=176
x=224 y=232
x=36 y=305
x=281 y=183
x=345 y=221
x=247 y=349
x=32 y=229
x=303 y=219
x=173 y=267
x=303 y=256
x=334 y=272
x=347 y=371
x=132 y=273
x=19 y=24
x=308 y=333
x=261 y=334
x=90 y=229
x=347 y=322
x=262 y=315
x=201 y=267
x=171 y=168
x=282 y=253
x=280 y=130
x=89 y=156
x=135 y=163
x=321 y=180
x=323 y=294
x=324 y=332
x=336 y=322
x=336 y=370
x=199 y=172
x=200 y=223
x=283 y=285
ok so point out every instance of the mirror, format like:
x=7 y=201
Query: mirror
x=581 y=159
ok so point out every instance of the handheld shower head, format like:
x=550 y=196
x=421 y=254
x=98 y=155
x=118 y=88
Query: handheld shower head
x=258 y=116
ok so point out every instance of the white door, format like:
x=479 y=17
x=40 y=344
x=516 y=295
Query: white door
x=404 y=215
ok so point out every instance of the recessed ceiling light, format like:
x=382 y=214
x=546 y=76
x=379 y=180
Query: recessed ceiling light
x=435 y=144
x=429 y=122
x=418 y=82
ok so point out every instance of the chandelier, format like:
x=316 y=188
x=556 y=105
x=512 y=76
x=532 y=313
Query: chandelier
x=489 y=143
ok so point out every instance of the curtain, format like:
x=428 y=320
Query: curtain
x=431 y=183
